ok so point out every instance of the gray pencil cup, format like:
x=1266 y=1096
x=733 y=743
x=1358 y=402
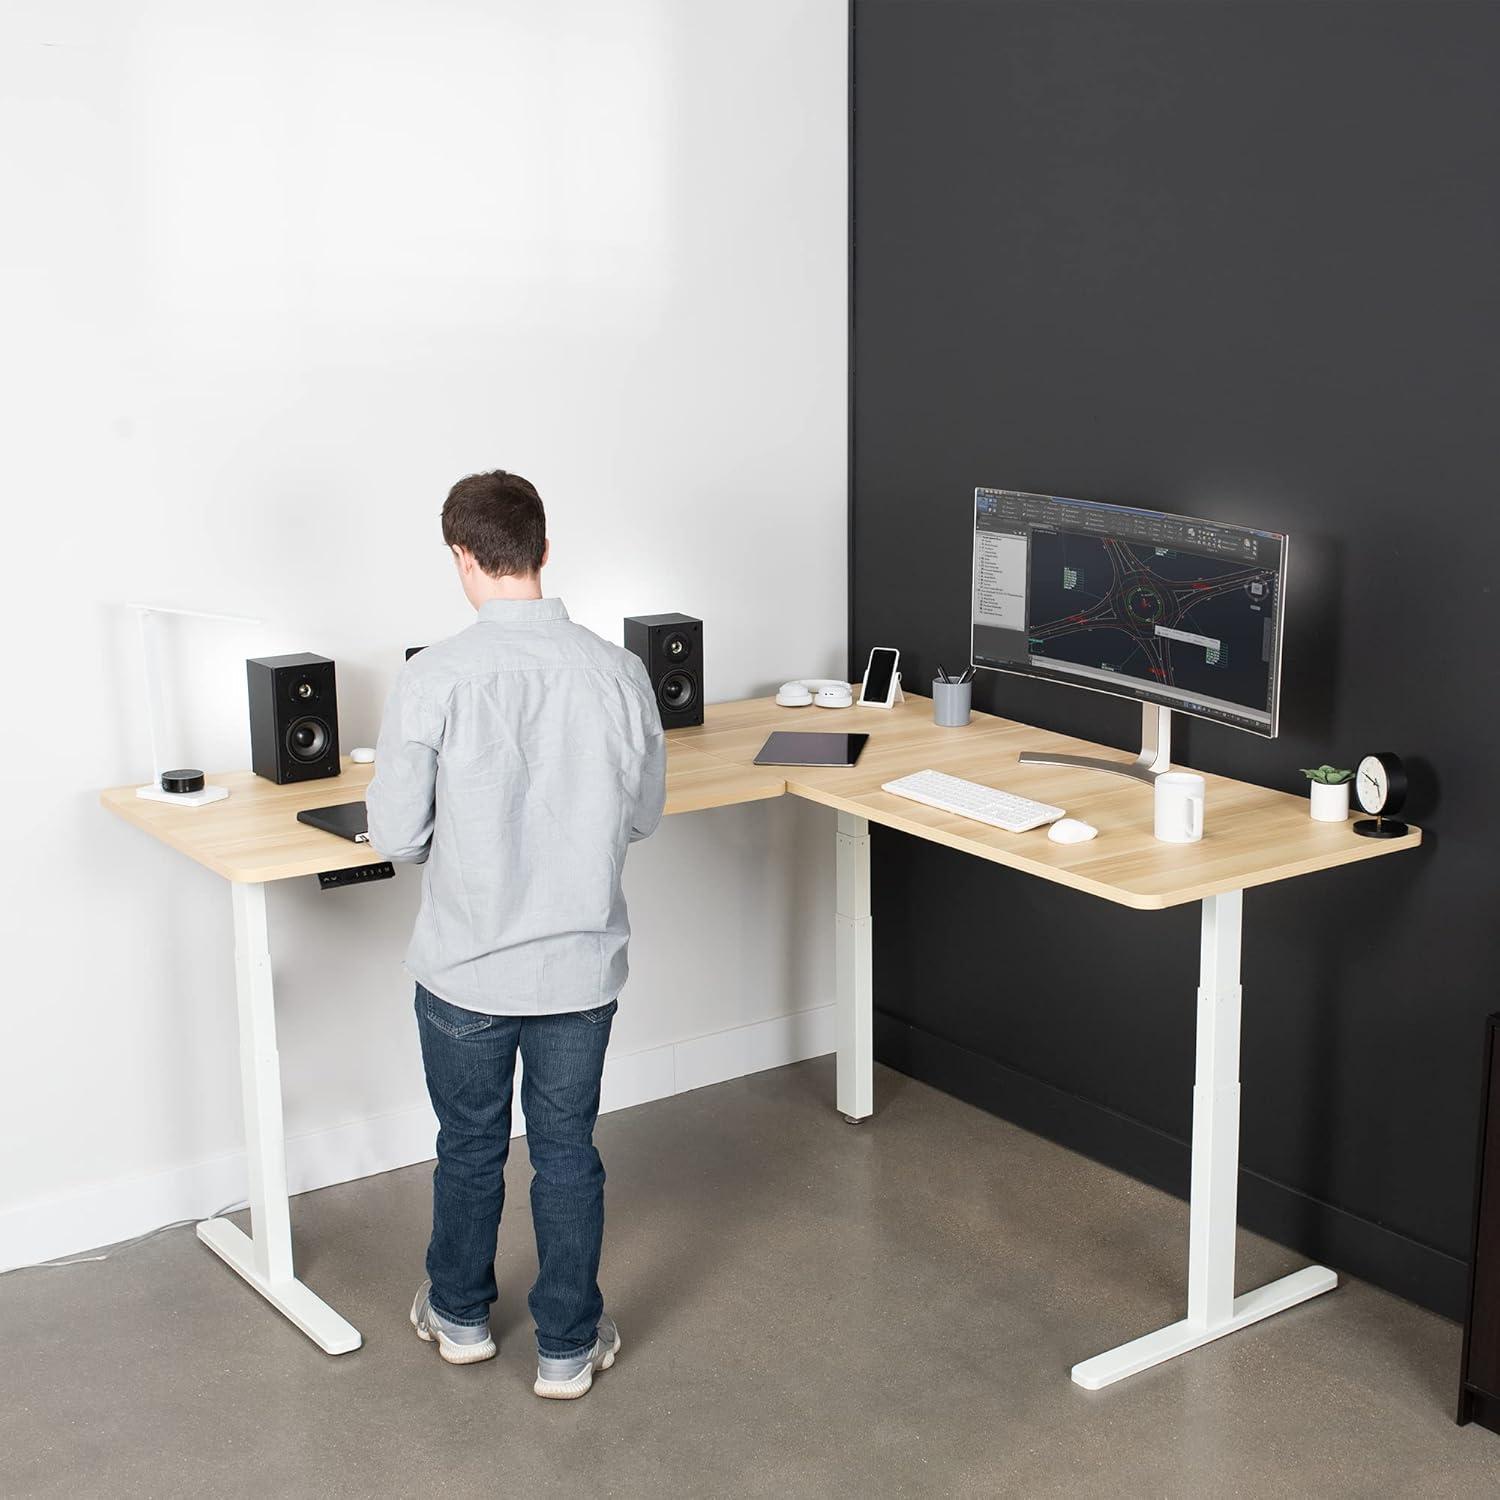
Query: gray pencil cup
x=950 y=703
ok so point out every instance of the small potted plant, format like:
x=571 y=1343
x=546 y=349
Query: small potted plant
x=1330 y=793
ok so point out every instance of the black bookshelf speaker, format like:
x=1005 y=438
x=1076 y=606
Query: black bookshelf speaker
x=672 y=648
x=1479 y=1380
x=294 y=717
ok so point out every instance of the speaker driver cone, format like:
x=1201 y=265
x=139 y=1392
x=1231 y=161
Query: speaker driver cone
x=678 y=691
x=307 y=739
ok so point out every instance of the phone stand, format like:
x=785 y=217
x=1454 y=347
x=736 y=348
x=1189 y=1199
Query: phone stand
x=897 y=696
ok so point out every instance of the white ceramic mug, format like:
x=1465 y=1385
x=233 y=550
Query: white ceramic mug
x=1180 y=796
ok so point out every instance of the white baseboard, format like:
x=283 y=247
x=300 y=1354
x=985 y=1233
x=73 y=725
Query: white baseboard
x=48 y=1228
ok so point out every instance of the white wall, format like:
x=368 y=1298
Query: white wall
x=274 y=276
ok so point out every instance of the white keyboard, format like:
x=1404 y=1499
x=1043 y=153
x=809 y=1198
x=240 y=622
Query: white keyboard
x=970 y=800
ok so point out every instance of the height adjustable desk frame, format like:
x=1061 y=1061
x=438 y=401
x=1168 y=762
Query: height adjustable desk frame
x=1255 y=837
x=264 y=1256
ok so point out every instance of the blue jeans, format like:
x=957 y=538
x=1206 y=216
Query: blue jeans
x=470 y=1060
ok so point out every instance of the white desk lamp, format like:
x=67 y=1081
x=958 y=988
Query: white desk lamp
x=156 y=709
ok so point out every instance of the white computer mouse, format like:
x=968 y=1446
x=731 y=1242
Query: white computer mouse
x=362 y=755
x=1071 y=831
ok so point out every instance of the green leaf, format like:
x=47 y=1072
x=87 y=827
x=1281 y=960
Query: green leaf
x=1327 y=775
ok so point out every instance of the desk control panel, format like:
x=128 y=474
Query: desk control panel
x=329 y=880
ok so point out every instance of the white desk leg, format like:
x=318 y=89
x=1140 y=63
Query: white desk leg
x=264 y=1257
x=1213 y=1309
x=855 y=1021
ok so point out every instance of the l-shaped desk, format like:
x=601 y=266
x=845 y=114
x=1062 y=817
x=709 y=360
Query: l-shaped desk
x=1254 y=836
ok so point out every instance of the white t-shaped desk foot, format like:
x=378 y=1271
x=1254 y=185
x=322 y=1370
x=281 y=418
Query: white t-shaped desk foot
x=1213 y=1309
x=264 y=1256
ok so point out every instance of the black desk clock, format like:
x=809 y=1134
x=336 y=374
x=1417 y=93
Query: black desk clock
x=1380 y=785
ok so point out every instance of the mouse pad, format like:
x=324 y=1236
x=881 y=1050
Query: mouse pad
x=788 y=748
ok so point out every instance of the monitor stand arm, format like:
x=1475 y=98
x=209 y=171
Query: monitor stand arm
x=1155 y=756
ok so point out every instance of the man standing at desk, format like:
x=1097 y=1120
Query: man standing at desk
x=518 y=759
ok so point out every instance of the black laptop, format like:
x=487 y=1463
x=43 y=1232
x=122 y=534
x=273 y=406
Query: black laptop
x=348 y=820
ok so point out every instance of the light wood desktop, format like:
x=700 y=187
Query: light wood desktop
x=1253 y=836
x=254 y=836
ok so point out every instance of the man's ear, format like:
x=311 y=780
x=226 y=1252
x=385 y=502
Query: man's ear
x=463 y=559
x=546 y=552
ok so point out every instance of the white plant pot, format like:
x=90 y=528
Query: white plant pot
x=1330 y=804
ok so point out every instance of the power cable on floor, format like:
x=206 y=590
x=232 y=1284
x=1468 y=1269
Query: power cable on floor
x=84 y=1260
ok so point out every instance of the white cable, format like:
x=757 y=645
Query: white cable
x=84 y=1260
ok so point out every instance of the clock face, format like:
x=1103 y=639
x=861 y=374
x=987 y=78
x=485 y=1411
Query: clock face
x=1371 y=784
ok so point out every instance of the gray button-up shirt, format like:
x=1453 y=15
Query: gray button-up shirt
x=519 y=759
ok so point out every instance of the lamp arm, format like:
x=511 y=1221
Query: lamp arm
x=156 y=708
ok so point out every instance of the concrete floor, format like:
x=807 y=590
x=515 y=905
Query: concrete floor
x=807 y=1308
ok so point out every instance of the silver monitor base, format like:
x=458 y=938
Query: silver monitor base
x=1154 y=758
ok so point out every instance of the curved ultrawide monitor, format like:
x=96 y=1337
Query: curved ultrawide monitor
x=1162 y=608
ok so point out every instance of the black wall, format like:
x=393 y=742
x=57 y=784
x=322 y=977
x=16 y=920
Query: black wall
x=1241 y=260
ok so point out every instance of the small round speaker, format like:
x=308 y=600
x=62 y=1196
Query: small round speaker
x=307 y=739
x=188 y=780
x=676 y=646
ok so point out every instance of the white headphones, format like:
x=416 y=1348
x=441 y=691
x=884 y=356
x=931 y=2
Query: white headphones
x=826 y=692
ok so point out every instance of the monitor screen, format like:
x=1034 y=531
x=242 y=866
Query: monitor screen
x=1163 y=608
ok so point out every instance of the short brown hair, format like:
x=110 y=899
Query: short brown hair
x=499 y=518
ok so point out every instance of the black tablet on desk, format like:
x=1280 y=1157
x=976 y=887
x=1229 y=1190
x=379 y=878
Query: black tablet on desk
x=787 y=748
x=349 y=820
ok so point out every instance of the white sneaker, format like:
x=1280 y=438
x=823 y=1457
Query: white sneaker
x=568 y=1379
x=457 y=1343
